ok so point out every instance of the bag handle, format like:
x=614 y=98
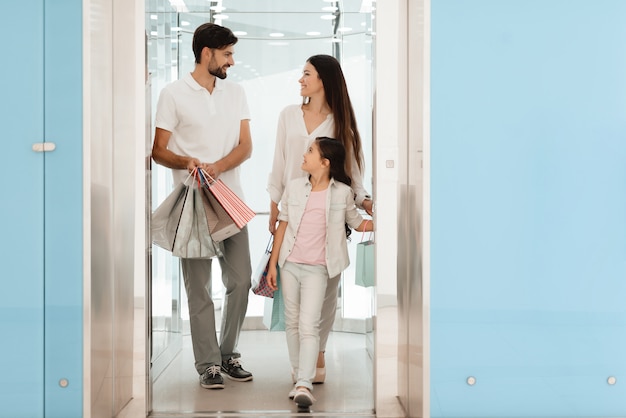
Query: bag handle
x=363 y=233
x=191 y=173
x=204 y=175
x=197 y=176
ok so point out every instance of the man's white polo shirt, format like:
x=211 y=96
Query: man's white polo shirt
x=203 y=125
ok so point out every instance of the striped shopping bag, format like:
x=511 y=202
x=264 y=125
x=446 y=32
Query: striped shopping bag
x=232 y=204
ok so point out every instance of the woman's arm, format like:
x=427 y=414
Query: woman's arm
x=273 y=216
x=275 y=185
x=367 y=225
x=363 y=199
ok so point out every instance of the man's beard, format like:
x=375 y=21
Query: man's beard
x=219 y=73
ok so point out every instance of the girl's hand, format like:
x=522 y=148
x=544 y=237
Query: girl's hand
x=272 y=274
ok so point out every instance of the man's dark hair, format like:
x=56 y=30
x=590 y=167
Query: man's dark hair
x=211 y=35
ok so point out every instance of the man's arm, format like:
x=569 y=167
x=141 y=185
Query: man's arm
x=165 y=157
x=238 y=155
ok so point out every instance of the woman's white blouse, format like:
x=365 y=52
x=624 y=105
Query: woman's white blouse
x=292 y=141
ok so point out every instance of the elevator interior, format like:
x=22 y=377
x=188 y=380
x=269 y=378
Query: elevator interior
x=268 y=67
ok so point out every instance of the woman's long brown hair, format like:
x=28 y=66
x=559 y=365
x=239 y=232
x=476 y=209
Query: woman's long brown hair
x=336 y=91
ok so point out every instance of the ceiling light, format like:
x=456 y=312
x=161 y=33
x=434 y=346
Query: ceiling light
x=336 y=40
x=179 y=5
x=330 y=8
x=240 y=33
x=218 y=8
x=154 y=17
x=184 y=23
x=176 y=29
x=277 y=34
x=313 y=33
x=328 y=17
x=220 y=16
x=344 y=29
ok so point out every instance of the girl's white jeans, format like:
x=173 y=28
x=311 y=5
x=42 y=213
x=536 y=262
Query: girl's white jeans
x=304 y=288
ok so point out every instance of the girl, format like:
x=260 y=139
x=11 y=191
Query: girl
x=326 y=110
x=312 y=242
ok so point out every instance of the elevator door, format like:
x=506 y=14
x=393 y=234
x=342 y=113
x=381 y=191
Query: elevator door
x=21 y=246
x=41 y=245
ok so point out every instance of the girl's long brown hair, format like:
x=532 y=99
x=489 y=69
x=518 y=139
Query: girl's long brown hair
x=335 y=153
x=336 y=91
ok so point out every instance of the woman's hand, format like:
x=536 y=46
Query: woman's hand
x=368 y=206
x=271 y=277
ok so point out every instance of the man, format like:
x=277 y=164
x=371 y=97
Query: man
x=203 y=121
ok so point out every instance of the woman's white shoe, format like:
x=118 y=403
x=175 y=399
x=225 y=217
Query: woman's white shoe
x=320 y=375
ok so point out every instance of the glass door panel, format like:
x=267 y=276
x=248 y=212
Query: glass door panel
x=166 y=325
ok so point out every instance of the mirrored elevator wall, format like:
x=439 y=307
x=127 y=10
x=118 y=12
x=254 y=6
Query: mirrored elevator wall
x=113 y=120
x=401 y=149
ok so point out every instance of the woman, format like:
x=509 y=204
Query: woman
x=326 y=110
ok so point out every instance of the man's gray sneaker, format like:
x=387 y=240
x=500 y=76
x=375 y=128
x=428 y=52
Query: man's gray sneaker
x=211 y=378
x=233 y=370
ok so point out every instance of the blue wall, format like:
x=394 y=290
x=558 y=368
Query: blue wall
x=528 y=233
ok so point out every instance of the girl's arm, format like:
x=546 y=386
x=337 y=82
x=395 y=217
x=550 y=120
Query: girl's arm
x=272 y=272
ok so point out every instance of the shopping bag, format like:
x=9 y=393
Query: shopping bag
x=221 y=225
x=274 y=309
x=259 y=277
x=365 y=272
x=232 y=204
x=192 y=237
x=165 y=218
